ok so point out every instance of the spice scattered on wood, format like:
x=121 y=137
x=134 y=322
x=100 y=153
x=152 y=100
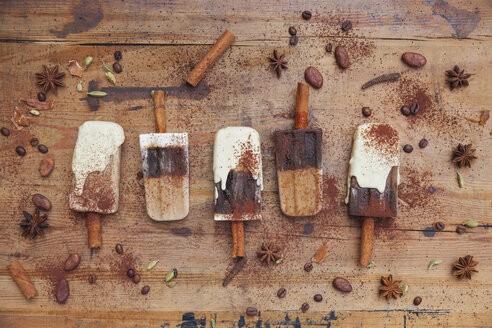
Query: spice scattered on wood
x=97 y=94
x=92 y=278
x=238 y=266
x=50 y=78
x=277 y=63
x=251 y=311
x=463 y=155
x=171 y=284
x=305 y=307
x=22 y=280
x=465 y=267
x=269 y=253
x=145 y=290
x=72 y=262
x=62 y=291
x=39 y=105
x=33 y=225
x=417 y=300
x=46 y=166
x=484 y=117
x=118 y=55
x=457 y=78
x=21 y=151
x=117 y=68
x=381 y=79
x=43 y=149
x=41 y=96
x=79 y=86
x=88 y=61
x=292 y=30
x=321 y=253
x=281 y=293
x=461 y=182
x=105 y=67
x=169 y=276
x=432 y=263
x=404 y=289
x=111 y=78
x=439 y=226
x=19 y=120
x=306 y=14
x=75 y=69
x=152 y=264
x=346 y=25
x=342 y=57
x=293 y=40
x=342 y=284
x=212 y=323
x=5 y=131
x=318 y=298
x=308 y=267
x=41 y=202
x=470 y=224
x=390 y=288
x=460 y=229
x=130 y=273
x=329 y=47
x=136 y=278
x=413 y=59
x=313 y=77
x=34 y=112
x=370 y=265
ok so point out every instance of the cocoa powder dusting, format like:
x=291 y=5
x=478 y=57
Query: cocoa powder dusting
x=383 y=138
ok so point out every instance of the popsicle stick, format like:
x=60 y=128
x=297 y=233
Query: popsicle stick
x=160 y=111
x=237 y=239
x=366 y=241
x=94 y=230
x=218 y=49
x=302 y=101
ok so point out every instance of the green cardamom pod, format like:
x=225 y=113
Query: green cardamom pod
x=97 y=93
x=370 y=265
x=280 y=260
x=106 y=68
x=461 y=182
x=169 y=276
x=404 y=289
x=212 y=323
x=471 y=224
x=111 y=78
x=171 y=284
x=432 y=263
x=152 y=93
x=79 y=86
x=152 y=264
x=88 y=61
x=34 y=112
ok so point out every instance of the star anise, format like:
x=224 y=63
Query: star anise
x=277 y=63
x=463 y=155
x=457 y=78
x=268 y=253
x=50 y=78
x=390 y=288
x=465 y=267
x=33 y=225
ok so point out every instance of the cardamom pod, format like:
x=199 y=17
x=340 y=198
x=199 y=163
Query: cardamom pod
x=171 y=284
x=97 y=93
x=34 y=112
x=212 y=323
x=280 y=260
x=111 y=78
x=152 y=93
x=79 y=86
x=404 y=289
x=461 y=182
x=88 y=61
x=152 y=264
x=169 y=276
x=432 y=263
x=370 y=265
x=106 y=68
x=470 y=224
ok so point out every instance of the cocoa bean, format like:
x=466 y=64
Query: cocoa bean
x=72 y=262
x=313 y=77
x=342 y=57
x=46 y=166
x=342 y=284
x=413 y=59
x=41 y=202
x=62 y=291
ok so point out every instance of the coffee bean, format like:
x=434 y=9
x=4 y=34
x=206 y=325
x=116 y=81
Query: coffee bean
x=282 y=292
x=405 y=110
x=72 y=262
x=251 y=311
x=119 y=249
x=304 y=307
x=41 y=202
x=21 y=151
x=328 y=47
x=145 y=290
x=117 y=68
x=407 y=149
x=136 y=278
x=318 y=298
x=461 y=229
x=92 y=278
x=5 y=131
x=366 y=111
x=175 y=271
x=306 y=14
x=313 y=77
x=417 y=300
x=342 y=57
x=423 y=143
x=41 y=96
x=43 y=149
x=46 y=166
x=342 y=284
x=439 y=226
x=34 y=142
x=293 y=40
x=130 y=273
x=118 y=55
x=414 y=109
x=62 y=291
x=308 y=267
x=347 y=25
x=292 y=30
x=413 y=59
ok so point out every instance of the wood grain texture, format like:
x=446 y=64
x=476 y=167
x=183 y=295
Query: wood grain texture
x=161 y=43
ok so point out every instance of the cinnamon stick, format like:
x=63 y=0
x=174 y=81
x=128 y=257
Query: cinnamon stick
x=22 y=280
x=160 y=111
x=94 y=230
x=366 y=241
x=237 y=239
x=302 y=109
x=218 y=49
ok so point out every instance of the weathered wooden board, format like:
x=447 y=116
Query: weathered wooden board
x=241 y=90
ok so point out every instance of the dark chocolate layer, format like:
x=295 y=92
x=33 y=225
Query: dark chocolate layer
x=242 y=195
x=165 y=161
x=298 y=149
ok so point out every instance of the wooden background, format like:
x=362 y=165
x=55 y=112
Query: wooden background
x=161 y=41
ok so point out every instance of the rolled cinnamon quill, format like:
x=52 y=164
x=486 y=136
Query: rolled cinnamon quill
x=22 y=280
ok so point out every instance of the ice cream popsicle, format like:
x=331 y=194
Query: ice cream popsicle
x=165 y=169
x=96 y=171
x=299 y=163
x=373 y=179
x=238 y=180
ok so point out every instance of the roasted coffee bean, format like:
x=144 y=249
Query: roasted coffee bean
x=417 y=300
x=293 y=40
x=461 y=229
x=34 y=142
x=423 y=143
x=366 y=111
x=72 y=262
x=342 y=284
x=407 y=149
x=92 y=278
x=130 y=273
x=145 y=290
x=292 y=30
x=413 y=59
x=62 y=291
x=405 y=110
x=308 y=267
x=282 y=292
x=439 y=226
x=21 y=151
x=304 y=307
x=46 y=166
x=118 y=55
x=119 y=249
x=251 y=311
x=342 y=57
x=41 y=202
x=175 y=271
x=5 y=131
x=328 y=47
x=318 y=298
x=414 y=109
x=136 y=278
x=43 y=149
x=313 y=77
x=117 y=68
x=347 y=25
x=306 y=14
x=41 y=96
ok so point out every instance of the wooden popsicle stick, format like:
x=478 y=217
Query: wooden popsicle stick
x=22 y=280
x=302 y=101
x=94 y=230
x=366 y=241
x=237 y=239
x=218 y=49
x=160 y=111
